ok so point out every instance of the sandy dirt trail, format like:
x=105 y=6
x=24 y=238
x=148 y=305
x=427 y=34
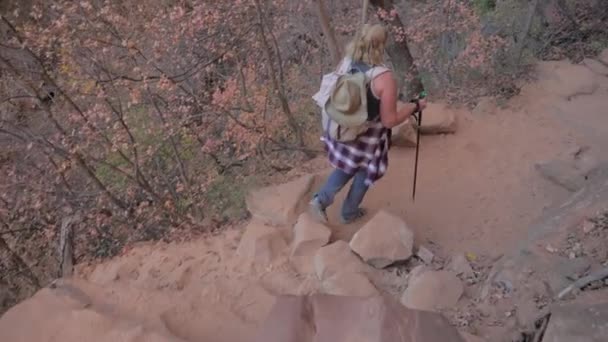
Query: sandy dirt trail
x=478 y=191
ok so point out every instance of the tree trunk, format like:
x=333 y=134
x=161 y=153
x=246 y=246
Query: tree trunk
x=524 y=33
x=328 y=32
x=275 y=82
x=410 y=84
x=66 y=247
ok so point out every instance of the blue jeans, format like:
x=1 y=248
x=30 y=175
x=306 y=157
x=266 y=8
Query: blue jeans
x=336 y=181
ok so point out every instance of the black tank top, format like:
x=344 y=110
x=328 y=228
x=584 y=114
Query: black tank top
x=373 y=104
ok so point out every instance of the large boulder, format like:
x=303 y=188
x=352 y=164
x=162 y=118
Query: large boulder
x=349 y=284
x=530 y=269
x=261 y=244
x=603 y=57
x=404 y=135
x=54 y=315
x=336 y=258
x=323 y=318
x=471 y=338
x=384 y=240
x=437 y=118
x=573 y=171
x=566 y=80
x=309 y=236
x=578 y=322
x=433 y=290
x=279 y=204
x=596 y=66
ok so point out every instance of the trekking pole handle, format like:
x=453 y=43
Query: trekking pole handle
x=418 y=111
x=420 y=96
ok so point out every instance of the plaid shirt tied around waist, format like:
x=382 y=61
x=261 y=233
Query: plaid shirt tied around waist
x=368 y=152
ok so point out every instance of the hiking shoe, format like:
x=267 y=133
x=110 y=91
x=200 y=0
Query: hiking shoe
x=317 y=210
x=360 y=213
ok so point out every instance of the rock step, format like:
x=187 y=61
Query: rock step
x=383 y=240
x=432 y=290
x=347 y=318
x=280 y=204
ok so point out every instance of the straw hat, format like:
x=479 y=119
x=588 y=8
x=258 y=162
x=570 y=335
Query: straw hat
x=347 y=104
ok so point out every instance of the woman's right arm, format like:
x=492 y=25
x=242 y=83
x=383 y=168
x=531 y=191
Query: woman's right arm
x=386 y=88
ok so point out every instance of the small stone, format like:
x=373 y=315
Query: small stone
x=433 y=290
x=349 y=284
x=505 y=285
x=335 y=258
x=471 y=257
x=550 y=249
x=384 y=240
x=572 y=255
x=425 y=255
x=460 y=266
x=588 y=226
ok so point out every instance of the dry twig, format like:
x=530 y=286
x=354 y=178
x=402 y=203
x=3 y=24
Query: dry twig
x=584 y=281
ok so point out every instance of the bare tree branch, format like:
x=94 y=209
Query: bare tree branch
x=21 y=264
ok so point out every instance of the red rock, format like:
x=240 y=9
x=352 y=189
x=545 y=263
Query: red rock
x=349 y=284
x=433 y=290
x=384 y=240
x=335 y=258
x=261 y=244
x=279 y=204
x=327 y=318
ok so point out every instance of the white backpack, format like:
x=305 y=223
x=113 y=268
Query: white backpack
x=328 y=83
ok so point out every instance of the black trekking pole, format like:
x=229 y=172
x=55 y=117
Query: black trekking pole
x=419 y=123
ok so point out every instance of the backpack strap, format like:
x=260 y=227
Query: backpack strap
x=377 y=71
x=360 y=67
x=370 y=72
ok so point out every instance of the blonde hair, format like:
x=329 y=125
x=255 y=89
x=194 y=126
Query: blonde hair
x=369 y=48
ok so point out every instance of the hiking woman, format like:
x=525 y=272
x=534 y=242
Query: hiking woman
x=364 y=159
